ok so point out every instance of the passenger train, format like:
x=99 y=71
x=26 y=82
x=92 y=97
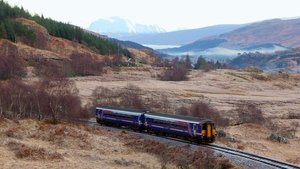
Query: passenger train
x=183 y=127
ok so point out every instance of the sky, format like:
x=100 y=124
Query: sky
x=168 y=14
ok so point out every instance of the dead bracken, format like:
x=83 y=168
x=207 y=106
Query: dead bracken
x=32 y=153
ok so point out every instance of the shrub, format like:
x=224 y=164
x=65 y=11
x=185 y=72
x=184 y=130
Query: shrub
x=16 y=98
x=53 y=98
x=159 y=62
x=204 y=110
x=131 y=96
x=124 y=162
x=250 y=113
x=253 y=69
x=128 y=97
x=183 y=111
x=259 y=76
x=11 y=66
x=177 y=72
x=278 y=138
x=293 y=116
x=63 y=102
x=287 y=132
x=48 y=68
x=84 y=65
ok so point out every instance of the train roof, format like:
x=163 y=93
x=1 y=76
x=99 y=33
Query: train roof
x=122 y=109
x=188 y=118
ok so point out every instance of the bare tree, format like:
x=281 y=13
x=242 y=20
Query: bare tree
x=59 y=91
x=83 y=64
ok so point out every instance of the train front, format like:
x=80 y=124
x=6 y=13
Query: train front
x=208 y=132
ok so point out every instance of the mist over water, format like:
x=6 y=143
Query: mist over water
x=161 y=46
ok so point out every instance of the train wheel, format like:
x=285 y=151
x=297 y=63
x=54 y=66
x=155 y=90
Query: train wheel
x=99 y=121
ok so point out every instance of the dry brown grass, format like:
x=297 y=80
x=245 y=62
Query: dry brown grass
x=283 y=85
x=180 y=156
x=25 y=151
x=62 y=134
x=66 y=146
x=14 y=132
x=238 y=75
x=253 y=69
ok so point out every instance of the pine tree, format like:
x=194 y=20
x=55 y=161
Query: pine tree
x=188 y=62
x=2 y=31
x=201 y=63
x=78 y=34
x=9 y=31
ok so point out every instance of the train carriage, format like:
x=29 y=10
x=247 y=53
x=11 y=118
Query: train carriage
x=191 y=128
x=120 y=117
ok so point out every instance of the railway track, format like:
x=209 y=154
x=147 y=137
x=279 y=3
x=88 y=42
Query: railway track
x=266 y=161
x=234 y=152
x=254 y=157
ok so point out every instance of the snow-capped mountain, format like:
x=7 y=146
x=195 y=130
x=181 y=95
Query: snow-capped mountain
x=117 y=27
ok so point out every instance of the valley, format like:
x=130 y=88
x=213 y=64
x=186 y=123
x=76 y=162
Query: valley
x=224 y=90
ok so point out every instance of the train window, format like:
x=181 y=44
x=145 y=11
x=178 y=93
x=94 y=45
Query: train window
x=204 y=127
x=160 y=122
x=169 y=124
x=119 y=116
x=178 y=126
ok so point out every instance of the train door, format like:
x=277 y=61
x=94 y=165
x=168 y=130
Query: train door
x=208 y=132
x=99 y=114
x=195 y=129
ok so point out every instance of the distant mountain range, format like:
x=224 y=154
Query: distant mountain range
x=270 y=38
x=181 y=37
x=266 y=37
x=117 y=27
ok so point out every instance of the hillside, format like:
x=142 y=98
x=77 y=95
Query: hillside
x=264 y=37
x=287 y=61
x=276 y=31
x=181 y=37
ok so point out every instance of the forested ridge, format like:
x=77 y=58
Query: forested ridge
x=10 y=29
